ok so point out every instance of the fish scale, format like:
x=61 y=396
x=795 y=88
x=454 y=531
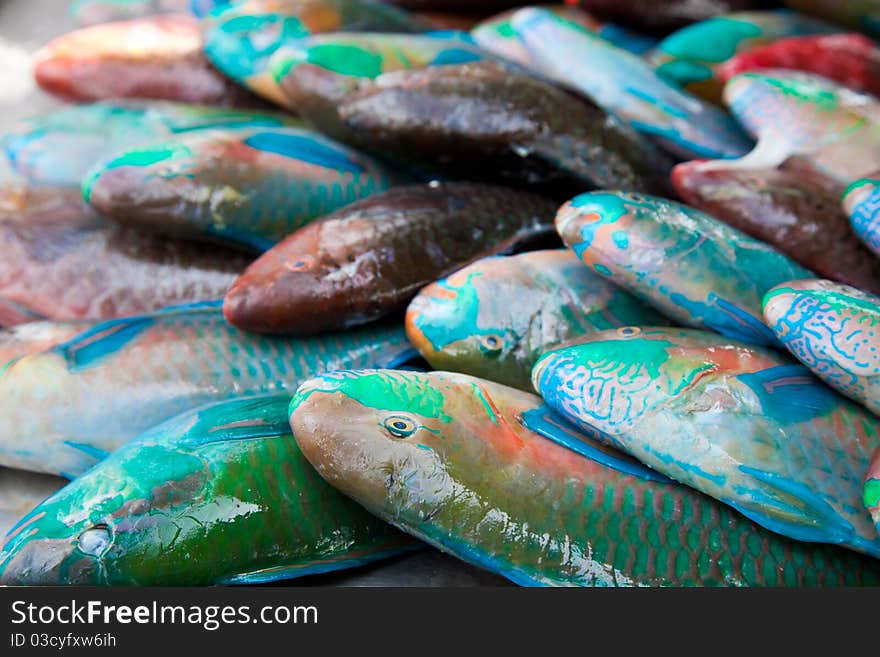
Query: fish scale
x=106 y=386
x=485 y=488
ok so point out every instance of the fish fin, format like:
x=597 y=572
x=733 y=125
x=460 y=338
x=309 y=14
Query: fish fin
x=301 y=570
x=307 y=148
x=551 y=426
x=248 y=418
x=768 y=153
x=90 y=450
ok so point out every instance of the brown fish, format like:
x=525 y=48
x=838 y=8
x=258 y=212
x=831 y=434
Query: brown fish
x=372 y=257
x=795 y=211
x=67 y=263
x=158 y=57
x=662 y=15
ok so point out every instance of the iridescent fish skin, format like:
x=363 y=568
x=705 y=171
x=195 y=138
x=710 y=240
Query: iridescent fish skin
x=60 y=147
x=691 y=56
x=624 y=84
x=241 y=38
x=318 y=72
x=695 y=269
x=745 y=425
x=790 y=210
x=64 y=409
x=158 y=57
x=218 y=495
x=488 y=120
x=792 y=113
x=861 y=201
x=444 y=457
x=851 y=59
x=93 y=12
x=67 y=263
x=372 y=257
x=494 y=318
x=872 y=489
x=834 y=330
x=34 y=337
x=243 y=187
x=860 y=14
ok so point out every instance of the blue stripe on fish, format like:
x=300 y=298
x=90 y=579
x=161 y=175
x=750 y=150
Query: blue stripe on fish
x=307 y=149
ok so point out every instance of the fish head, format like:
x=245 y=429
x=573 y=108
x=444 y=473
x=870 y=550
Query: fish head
x=401 y=443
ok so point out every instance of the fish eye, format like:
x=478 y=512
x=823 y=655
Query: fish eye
x=400 y=426
x=629 y=331
x=491 y=342
x=301 y=263
x=95 y=540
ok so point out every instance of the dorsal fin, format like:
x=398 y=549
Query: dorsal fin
x=246 y=418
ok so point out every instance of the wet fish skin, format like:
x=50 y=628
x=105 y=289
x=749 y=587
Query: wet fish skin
x=625 y=84
x=108 y=385
x=494 y=318
x=693 y=268
x=158 y=57
x=248 y=188
x=241 y=38
x=62 y=146
x=743 y=424
x=68 y=263
x=218 y=495
x=792 y=211
x=444 y=457
x=371 y=257
x=834 y=330
x=861 y=202
x=484 y=119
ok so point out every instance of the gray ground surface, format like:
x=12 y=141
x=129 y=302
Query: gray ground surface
x=24 y=26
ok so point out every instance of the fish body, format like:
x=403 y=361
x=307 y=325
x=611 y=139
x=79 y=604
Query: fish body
x=872 y=489
x=861 y=201
x=743 y=424
x=834 y=330
x=62 y=146
x=243 y=187
x=860 y=14
x=850 y=59
x=695 y=269
x=158 y=57
x=626 y=85
x=241 y=38
x=792 y=211
x=218 y=495
x=372 y=257
x=67 y=408
x=663 y=15
x=485 y=120
x=34 y=337
x=446 y=458
x=494 y=318
x=691 y=56
x=67 y=263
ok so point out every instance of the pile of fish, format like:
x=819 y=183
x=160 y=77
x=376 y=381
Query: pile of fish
x=581 y=295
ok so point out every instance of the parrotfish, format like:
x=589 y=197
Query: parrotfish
x=218 y=495
x=317 y=72
x=92 y=12
x=59 y=148
x=241 y=38
x=65 y=409
x=793 y=113
x=872 y=489
x=372 y=257
x=158 y=57
x=494 y=318
x=834 y=330
x=624 y=84
x=244 y=187
x=67 y=263
x=691 y=56
x=853 y=60
x=795 y=212
x=487 y=120
x=860 y=14
x=663 y=15
x=695 y=269
x=34 y=337
x=861 y=202
x=745 y=425
x=202 y=8
x=446 y=458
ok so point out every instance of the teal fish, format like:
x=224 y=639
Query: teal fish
x=446 y=457
x=692 y=267
x=494 y=318
x=743 y=424
x=64 y=409
x=833 y=329
x=861 y=202
x=218 y=495
x=245 y=187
